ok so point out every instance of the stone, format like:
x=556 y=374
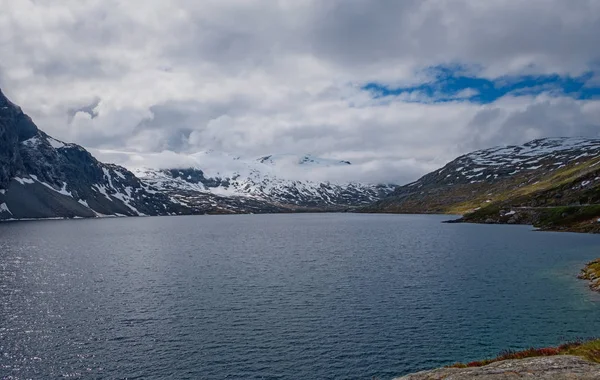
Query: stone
x=560 y=367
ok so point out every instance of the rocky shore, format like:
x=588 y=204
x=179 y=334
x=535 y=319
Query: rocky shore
x=581 y=218
x=574 y=360
x=547 y=368
x=591 y=272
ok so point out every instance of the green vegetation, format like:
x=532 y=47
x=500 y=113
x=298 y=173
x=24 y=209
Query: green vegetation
x=555 y=218
x=568 y=215
x=558 y=188
x=556 y=201
x=589 y=350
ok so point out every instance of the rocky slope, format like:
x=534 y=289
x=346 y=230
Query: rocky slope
x=551 y=183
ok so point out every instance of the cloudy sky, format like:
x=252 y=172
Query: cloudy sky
x=396 y=87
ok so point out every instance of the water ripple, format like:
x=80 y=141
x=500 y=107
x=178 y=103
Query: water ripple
x=281 y=296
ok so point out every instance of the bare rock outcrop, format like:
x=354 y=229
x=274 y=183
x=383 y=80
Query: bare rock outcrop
x=560 y=367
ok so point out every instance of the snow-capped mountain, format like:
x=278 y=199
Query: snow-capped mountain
x=274 y=178
x=492 y=164
x=489 y=172
x=305 y=161
x=42 y=177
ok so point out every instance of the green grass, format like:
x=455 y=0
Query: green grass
x=489 y=211
x=589 y=350
x=567 y=215
x=514 y=192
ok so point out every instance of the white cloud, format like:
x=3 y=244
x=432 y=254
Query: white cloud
x=260 y=77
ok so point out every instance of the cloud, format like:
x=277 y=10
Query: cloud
x=254 y=77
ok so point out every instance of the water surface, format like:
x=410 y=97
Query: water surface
x=326 y=296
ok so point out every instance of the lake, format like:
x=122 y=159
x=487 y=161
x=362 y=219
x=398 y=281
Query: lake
x=304 y=296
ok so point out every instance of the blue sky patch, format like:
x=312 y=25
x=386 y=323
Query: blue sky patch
x=451 y=84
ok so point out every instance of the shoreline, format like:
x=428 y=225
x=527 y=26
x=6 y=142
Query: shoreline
x=586 y=227
x=591 y=272
x=578 y=359
x=574 y=218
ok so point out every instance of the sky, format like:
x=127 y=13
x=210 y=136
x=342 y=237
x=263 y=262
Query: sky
x=398 y=88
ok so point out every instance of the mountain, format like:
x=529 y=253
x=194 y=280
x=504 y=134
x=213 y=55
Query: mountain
x=553 y=183
x=262 y=179
x=42 y=177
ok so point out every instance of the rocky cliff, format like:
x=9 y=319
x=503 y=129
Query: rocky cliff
x=41 y=177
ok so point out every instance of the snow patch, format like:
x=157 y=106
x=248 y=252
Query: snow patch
x=108 y=176
x=64 y=191
x=56 y=144
x=32 y=142
x=119 y=174
x=4 y=208
x=23 y=181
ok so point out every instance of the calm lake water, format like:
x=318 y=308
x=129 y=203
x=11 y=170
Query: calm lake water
x=328 y=296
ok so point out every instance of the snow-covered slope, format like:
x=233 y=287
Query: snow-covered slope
x=490 y=172
x=492 y=164
x=278 y=179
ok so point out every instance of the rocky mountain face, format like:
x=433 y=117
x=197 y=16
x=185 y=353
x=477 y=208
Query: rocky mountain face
x=552 y=183
x=42 y=177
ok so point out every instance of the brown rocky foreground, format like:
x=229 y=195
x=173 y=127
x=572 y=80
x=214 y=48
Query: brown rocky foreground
x=547 y=368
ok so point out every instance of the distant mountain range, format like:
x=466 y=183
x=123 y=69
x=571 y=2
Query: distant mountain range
x=262 y=179
x=552 y=183
x=42 y=177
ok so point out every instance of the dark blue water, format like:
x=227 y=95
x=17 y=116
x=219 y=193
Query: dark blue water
x=333 y=296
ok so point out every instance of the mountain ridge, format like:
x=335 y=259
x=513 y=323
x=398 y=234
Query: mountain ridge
x=43 y=177
x=259 y=179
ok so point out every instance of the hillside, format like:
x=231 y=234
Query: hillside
x=551 y=183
